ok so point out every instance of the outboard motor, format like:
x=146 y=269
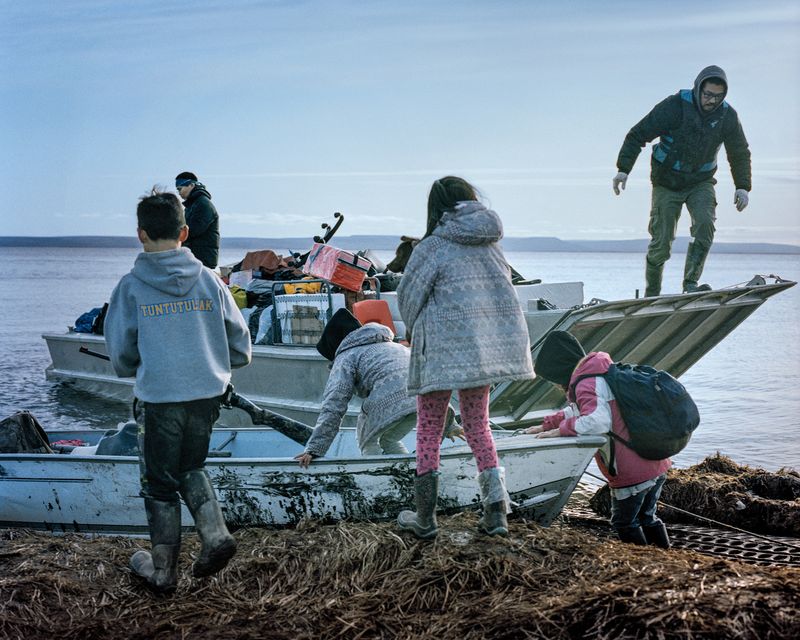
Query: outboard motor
x=377 y=263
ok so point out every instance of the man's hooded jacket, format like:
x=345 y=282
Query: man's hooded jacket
x=203 y=223
x=689 y=139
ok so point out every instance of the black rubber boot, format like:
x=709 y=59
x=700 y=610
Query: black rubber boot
x=632 y=536
x=159 y=567
x=653 y=275
x=495 y=502
x=423 y=522
x=218 y=545
x=657 y=535
x=693 y=269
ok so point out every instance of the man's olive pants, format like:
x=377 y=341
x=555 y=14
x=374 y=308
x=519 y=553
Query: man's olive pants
x=701 y=202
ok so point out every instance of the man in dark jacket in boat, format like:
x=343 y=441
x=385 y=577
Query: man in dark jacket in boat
x=691 y=126
x=173 y=324
x=202 y=218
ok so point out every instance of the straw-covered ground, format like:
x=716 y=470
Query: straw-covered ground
x=718 y=488
x=364 y=580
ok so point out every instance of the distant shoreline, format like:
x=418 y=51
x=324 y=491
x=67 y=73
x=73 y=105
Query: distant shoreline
x=388 y=243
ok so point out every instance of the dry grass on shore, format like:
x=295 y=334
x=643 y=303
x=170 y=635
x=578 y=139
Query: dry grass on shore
x=364 y=580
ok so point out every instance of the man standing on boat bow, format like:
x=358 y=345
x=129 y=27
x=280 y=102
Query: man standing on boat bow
x=691 y=126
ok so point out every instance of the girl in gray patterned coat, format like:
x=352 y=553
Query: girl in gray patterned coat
x=467 y=332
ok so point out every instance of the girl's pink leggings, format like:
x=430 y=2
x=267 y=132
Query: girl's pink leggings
x=431 y=413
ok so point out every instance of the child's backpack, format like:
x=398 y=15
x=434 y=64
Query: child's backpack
x=658 y=411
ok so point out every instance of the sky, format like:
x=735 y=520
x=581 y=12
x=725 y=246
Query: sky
x=291 y=110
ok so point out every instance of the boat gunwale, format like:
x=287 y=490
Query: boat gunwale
x=461 y=451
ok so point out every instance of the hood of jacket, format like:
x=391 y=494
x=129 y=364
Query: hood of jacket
x=596 y=362
x=712 y=71
x=174 y=272
x=370 y=333
x=470 y=223
x=199 y=190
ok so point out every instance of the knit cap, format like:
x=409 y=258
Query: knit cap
x=558 y=357
x=338 y=328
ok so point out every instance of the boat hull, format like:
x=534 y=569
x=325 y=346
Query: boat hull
x=285 y=380
x=100 y=494
x=670 y=332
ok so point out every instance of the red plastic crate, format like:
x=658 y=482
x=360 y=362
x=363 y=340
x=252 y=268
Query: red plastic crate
x=342 y=268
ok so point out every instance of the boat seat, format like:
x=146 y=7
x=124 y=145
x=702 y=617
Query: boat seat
x=376 y=311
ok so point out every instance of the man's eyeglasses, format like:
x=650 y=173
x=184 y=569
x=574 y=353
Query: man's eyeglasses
x=716 y=97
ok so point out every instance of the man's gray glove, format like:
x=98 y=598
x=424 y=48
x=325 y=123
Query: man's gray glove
x=619 y=181
x=740 y=199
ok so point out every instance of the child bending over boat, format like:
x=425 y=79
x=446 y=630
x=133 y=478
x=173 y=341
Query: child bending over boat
x=467 y=332
x=635 y=483
x=367 y=363
x=172 y=323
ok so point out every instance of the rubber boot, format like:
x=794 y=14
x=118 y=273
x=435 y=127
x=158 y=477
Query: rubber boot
x=492 y=484
x=695 y=261
x=632 y=535
x=218 y=545
x=657 y=535
x=423 y=522
x=653 y=275
x=159 y=567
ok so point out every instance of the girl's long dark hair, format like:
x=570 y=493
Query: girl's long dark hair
x=444 y=195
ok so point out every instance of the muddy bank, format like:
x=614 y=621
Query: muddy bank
x=362 y=580
x=718 y=488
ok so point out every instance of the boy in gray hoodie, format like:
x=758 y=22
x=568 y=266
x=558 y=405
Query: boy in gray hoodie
x=173 y=324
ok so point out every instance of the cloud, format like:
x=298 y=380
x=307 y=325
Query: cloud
x=258 y=219
x=679 y=19
x=91 y=215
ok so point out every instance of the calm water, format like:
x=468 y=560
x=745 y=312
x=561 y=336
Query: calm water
x=747 y=388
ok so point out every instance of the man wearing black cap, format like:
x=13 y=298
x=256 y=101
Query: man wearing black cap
x=691 y=126
x=201 y=217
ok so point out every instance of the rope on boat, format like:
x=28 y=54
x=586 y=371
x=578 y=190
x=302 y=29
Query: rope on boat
x=757 y=280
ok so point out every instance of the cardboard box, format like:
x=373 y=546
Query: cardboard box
x=300 y=311
x=241 y=278
x=306 y=325
x=351 y=297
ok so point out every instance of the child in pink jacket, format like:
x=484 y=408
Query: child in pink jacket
x=635 y=483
